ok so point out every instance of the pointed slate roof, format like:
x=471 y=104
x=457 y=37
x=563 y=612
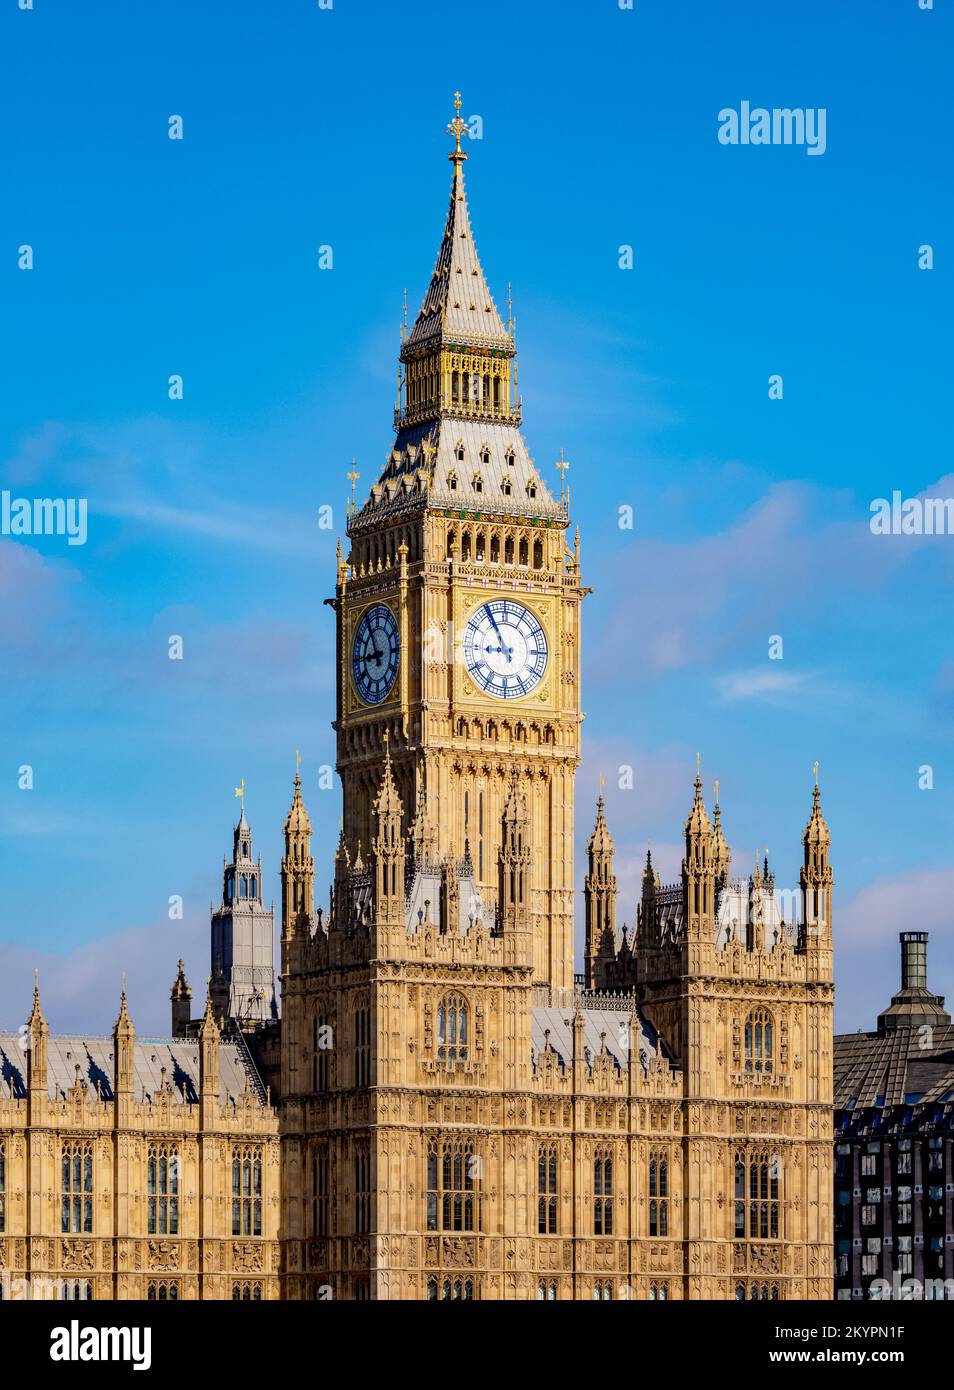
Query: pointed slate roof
x=458 y=305
x=601 y=841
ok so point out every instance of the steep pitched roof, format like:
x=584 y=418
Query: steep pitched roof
x=458 y=305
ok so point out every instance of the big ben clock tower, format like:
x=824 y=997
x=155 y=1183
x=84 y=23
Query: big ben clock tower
x=458 y=620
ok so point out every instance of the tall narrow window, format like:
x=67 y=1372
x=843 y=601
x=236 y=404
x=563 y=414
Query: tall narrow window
x=452 y=1029
x=480 y=837
x=247 y=1192
x=362 y=1191
x=603 y=1192
x=658 y=1194
x=547 y=1209
x=453 y=1193
x=321 y=1036
x=759 y=1041
x=320 y=1191
x=162 y=1179
x=362 y=1046
x=76 y=1189
x=3 y=1187
x=757 y=1196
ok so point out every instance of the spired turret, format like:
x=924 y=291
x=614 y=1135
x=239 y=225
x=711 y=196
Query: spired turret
x=388 y=850
x=816 y=878
x=181 y=997
x=599 y=893
x=243 y=938
x=298 y=866
x=514 y=890
x=698 y=870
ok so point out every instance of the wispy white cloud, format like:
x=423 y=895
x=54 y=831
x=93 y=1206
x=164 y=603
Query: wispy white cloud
x=760 y=684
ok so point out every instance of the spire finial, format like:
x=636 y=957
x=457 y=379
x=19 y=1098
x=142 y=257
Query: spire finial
x=562 y=464
x=353 y=477
x=240 y=792
x=717 y=791
x=815 y=771
x=456 y=128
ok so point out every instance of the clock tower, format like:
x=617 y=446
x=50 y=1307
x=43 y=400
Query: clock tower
x=458 y=621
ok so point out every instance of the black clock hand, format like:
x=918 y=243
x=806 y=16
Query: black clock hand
x=488 y=611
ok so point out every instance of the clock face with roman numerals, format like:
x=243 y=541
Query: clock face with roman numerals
x=374 y=655
x=505 y=649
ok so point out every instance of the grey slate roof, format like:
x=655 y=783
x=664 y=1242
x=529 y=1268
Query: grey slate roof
x=458 y=303
x=614 y=1022
x=95 y=1059
x=893 y=1068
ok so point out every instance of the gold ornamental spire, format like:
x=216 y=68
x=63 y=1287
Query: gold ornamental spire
x=456 y=128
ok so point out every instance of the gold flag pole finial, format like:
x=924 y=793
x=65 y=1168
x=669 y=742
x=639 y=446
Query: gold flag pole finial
x=717 y=791
x=456 y=128
x=815 y=770
x=562 y=464
x=240 y=792
x=353 y=477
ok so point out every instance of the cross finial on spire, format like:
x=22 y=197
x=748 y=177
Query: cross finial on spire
x=562 y=464
x=456 y=128
x=353 y=476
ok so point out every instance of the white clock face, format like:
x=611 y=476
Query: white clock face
x=505 y=649
x=374 y=655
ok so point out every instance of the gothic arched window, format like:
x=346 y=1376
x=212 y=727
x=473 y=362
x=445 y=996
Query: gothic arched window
x=759 y=1041
x=658 y=1194
x=162 y=1184
x=163 y=1290
x=76 y=1189
x=247 y=1191
x=603 y=1192
x=452 y=1029
x=547 y=1208
x=453 y=1196
x=758 y=1184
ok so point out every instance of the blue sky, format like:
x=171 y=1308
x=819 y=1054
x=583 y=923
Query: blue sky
x=305 y=127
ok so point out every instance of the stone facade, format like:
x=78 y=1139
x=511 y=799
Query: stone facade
x=460 y=1118
x=119 y=1159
